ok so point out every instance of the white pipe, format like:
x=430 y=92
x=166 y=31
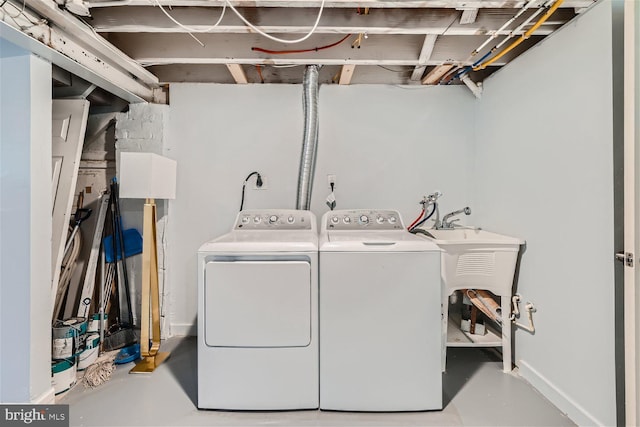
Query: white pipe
x=529 y=307
x=509 y=22
x=525 y=23
x=475 y=88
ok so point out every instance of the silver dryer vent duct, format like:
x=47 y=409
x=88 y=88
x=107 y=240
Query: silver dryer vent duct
x=310 y=137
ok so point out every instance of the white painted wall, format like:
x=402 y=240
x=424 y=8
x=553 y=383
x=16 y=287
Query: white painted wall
x=388 y=146
x=25 y=226
x=544 y=172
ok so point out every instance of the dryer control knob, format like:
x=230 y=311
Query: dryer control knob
x=245 y=219
x=363 y=220
x=335 y=219
x=257 y=219
x=291 y=219
x=392 y=219
x=346 y=220
x=273 y=219
x=380 y=219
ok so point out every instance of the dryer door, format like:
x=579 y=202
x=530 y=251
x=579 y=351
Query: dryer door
x=257 y=303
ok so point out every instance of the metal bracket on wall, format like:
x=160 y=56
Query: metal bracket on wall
x=626 y=257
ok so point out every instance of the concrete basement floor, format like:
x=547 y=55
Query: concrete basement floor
x=476 y=393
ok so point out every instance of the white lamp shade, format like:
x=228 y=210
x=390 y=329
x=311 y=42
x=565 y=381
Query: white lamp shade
x=147 y=176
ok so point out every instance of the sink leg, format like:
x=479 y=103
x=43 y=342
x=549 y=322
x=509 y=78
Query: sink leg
x=506 y=332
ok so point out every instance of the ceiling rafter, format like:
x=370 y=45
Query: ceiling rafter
x=377 y=4
x=297 y=20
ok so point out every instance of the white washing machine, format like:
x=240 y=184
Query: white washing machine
x=380 y=315
x=257 y=314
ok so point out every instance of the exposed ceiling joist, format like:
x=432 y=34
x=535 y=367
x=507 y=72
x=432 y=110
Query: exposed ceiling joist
x=158 y=49
x=70 y=28
x=425 y=55
x=468 y=16
x=420 y=4
x=436 y=74
x=238 y=73
x=50 y=44
x=297 y=20
x=346 y=74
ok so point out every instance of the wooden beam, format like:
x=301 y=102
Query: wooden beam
x=402 y=50
x=413 y=4
x=299 y=20
x=346 y=74
x=468 y=16
x=436 y=74
x=425 y=55
x=238 y=73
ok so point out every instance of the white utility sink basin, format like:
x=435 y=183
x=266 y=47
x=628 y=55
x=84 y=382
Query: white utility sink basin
x=476 y=259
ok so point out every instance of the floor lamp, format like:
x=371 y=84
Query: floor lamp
x=148 y=176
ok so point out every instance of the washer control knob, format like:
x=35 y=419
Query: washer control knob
x=335 y=219
x=380 y=219
x=346 y=220
x=273 y=219
x=257 y=219
x=363 y=220
x=291 y=219
x=245 y=219
x=392 y=219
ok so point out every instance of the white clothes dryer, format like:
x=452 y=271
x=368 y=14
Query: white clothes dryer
x=380 y=315
x=257 y=314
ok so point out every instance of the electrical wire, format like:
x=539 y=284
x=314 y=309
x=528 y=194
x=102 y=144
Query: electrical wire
x=190 y=29
x=395 y=71
x=259 y=69
x=276 y=39
x=258 y=183
x=285 y=52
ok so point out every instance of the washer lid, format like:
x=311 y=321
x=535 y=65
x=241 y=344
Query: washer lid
x=375 y=241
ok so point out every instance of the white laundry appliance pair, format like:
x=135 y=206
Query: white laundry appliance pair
x=377 y=305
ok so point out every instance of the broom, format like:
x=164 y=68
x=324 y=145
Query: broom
x=123 y=335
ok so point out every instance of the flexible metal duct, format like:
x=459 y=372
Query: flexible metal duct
x=310 y=137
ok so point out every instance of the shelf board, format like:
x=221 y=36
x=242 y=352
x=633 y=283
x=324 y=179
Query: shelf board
x=458 y=338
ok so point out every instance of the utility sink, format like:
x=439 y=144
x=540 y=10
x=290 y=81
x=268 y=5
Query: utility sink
x=476 y=259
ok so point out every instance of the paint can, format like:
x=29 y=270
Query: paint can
x=68 y=336
x=90 y=352
x=94 y=323
x=64 y=375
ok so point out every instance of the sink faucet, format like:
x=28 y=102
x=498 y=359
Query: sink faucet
x=447 y=222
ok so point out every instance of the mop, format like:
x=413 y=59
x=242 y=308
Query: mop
x=100 y=371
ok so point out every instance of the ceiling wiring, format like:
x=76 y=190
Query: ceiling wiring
x=479 y=64
x=276 y=39
x=259 y=70
x=395 y=71
x=190 y=29
x=285 y=52
x=522 y=38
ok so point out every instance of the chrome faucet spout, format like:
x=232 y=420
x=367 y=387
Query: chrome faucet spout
x=447 y=222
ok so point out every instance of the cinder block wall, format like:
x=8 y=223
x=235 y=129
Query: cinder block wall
x=142 y=129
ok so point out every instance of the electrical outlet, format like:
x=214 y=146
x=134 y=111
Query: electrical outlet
x=265 y=184
x=331 y=179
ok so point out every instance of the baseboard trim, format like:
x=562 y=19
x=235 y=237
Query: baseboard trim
x=183 y=329
x=559 y=398
x=46 y=398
